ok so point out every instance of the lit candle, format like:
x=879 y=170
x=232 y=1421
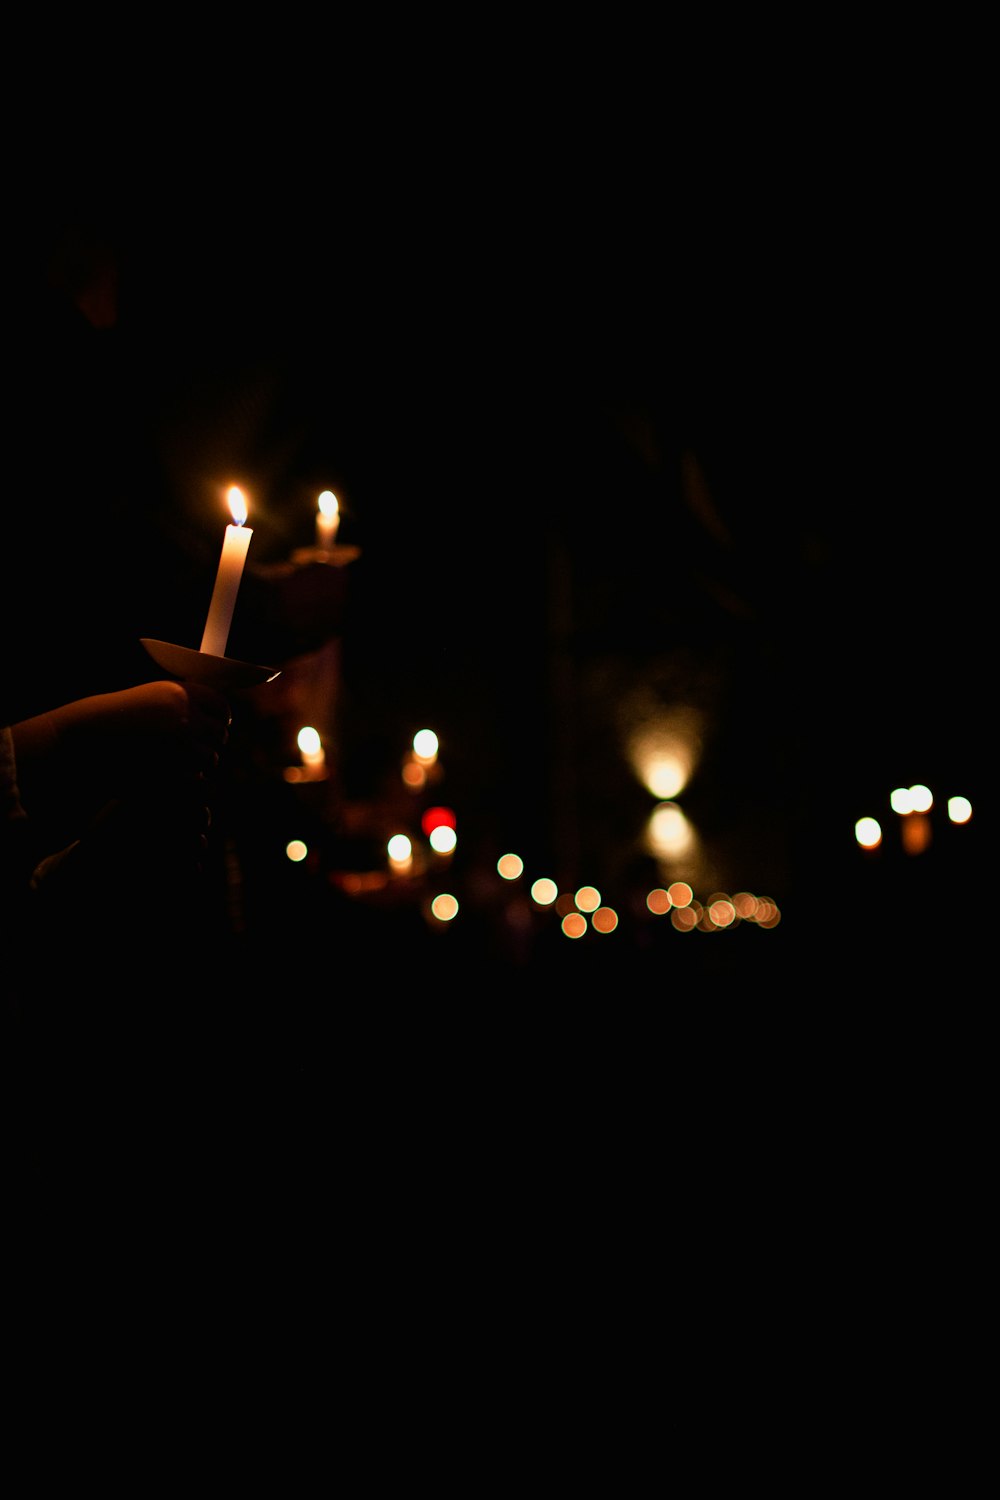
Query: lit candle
x=311 y=748
x=227 y=581
x=327 y=520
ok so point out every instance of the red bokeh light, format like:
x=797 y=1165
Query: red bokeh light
x=437 y=817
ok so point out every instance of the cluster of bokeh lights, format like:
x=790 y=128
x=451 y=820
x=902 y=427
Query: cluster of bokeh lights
x=912 y=805
x=585 y=910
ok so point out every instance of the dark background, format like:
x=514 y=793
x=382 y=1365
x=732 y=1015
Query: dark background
x=685 y=342
x=616 y=401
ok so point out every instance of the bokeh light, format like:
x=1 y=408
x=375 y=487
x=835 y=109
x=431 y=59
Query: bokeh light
x=921 y=799
x=296 y=850
x=658 y=901
x=510 y=866
x=574 y=924
x=680 y=893
x=443 y=839
x=587 y=898
x=438 y=817
x=669 y=833
x=959 y=809
x=721 y=910
x=916 y=833
x=309 y=742
x=544 y=891
x=664 y=749
x=400 y=849
x=445 y=907
x=605 y=919
x=868 y=832
x=425 y=745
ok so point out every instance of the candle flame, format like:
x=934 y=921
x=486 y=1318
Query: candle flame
x=329 y=504
x=237 y=505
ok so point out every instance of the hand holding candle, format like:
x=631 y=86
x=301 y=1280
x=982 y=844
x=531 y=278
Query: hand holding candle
x=227 y=581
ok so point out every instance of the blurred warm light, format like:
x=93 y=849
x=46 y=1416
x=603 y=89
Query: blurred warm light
x=868 y=833
x=442 y=839
x=768 y=914
x=911 y=799
x=296 y=851
x=400 y=849
x=358 y=882
x=680 y=893
x=574 y=924
x=745 y=905
x=668 y=832
x=664 y=750
x=659 y=901
x=544 y=891
x=329 y=506
x=666 y=775
x=959 y=809
x=309 y=741
x=587 y=898
x=444 y=907
x=414 y=774
x=425 y=746
x=237 y=505
x=916 y=831
x=565 y=904
x=510 y=866
x=311 y=748
x=605 y=919
x=722 y=911
x=684 y=918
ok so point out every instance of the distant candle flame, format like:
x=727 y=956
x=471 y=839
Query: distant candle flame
x=237 y=505
x=329 y=504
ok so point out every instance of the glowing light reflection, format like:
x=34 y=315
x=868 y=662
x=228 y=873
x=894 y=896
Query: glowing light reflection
x=916 y=833
x=669 y=833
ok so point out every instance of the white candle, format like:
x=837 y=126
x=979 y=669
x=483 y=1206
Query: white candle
x=327 y=520
x=227 y=580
